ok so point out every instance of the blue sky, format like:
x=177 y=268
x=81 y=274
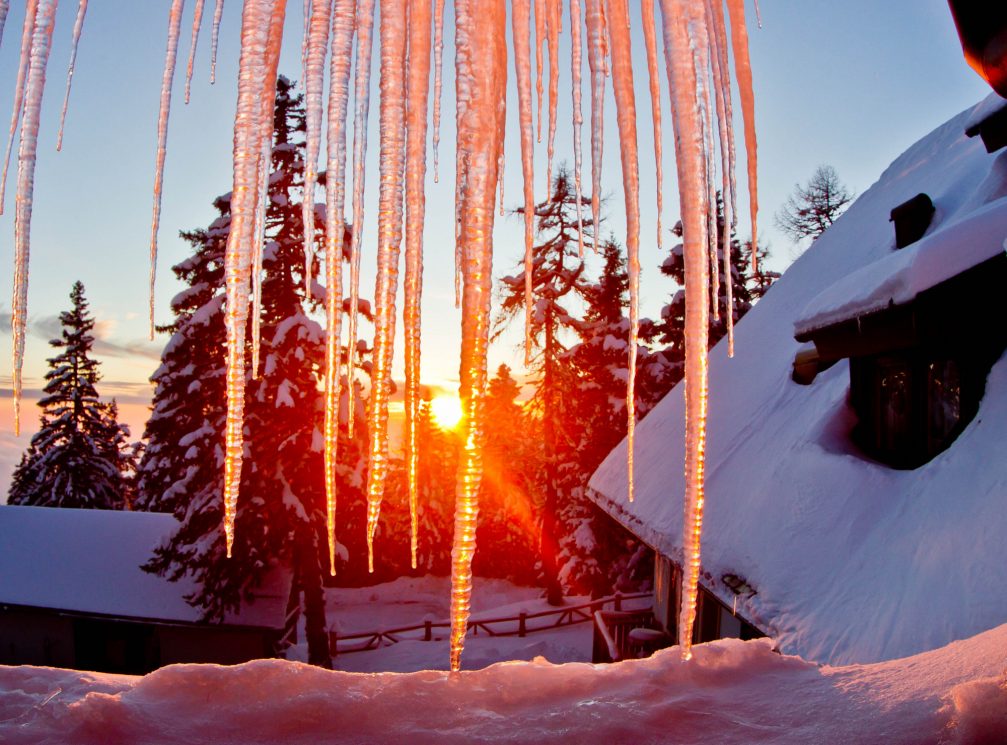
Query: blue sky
x=850 y=84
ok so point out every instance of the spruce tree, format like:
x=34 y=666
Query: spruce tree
x=80 y=456
x=281 y=515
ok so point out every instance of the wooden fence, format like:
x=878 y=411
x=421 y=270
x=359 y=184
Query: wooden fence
x=519 y=625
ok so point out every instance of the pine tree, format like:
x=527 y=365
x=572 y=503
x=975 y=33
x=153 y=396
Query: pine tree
x=80 y=456
x=556 y=280
x=281 y=515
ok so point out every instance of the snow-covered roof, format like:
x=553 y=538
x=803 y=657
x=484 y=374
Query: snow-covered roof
x=852 y=561
x=88 y=561
x=899 y=277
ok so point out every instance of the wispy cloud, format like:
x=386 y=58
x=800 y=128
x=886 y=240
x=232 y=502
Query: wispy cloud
x=49 y=327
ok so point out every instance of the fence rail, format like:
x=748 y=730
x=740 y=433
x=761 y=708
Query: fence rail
x=519 y=625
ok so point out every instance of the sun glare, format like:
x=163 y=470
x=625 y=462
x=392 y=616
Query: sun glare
x=447 y=410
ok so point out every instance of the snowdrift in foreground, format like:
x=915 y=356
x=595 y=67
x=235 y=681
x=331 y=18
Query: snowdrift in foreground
x=731 y=692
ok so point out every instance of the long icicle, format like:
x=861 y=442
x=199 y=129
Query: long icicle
x=4 y=7
x=554 y=14
x=418 y=82
x=218 y=12
x=257 y=17
x=314 y=79
x=650 y=41
x=174 y=26
x=438 y=74
x=361 y=95
x=335 y=228
x=597 y=50
x=481 y=80
x=689 y=159
x=197 y=18
x=576 y=63
x=520 y=32
x=622 y=84
x=540 y=39
x=31 y=10
x=392 y=115
x=40 y=44
x=77 y=27
x=701 y=51
x=743 y=72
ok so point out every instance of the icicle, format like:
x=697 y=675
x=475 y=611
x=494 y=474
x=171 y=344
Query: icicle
x=758 y=14
x=335 y=187
x=392 y=114
x=438 y=65
x=540 y=39
x=40 y=44
x=197 y=17
x=77 y=26
x=701 y=51
x=4 y=7
x=306 y=15
x=553 y=24
x=578 y=118
x=261 y=36
x=521 y=31
x=500 y=169
x=218 y=12
x=174 y=26
x=314 y=79
x=689 y=159
x=416 y=168
x=31 y=10
x=743 y=71
x=622 y=83
x=650 y=40
x=481 y=79
x=362 y=87
x=597 y=50
x=722 y=87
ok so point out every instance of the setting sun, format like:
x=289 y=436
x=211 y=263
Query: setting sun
x=447 y=410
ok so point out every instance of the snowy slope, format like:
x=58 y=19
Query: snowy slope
x=730 y=692
x=852 y=561
x=89 y=561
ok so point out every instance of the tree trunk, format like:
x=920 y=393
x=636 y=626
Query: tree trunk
x=309 y=577
x=550 y=536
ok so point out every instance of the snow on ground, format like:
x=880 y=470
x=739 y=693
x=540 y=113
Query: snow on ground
x=731 y=692
x=409 y=601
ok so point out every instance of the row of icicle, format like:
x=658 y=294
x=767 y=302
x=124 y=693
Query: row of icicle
x=696 y=55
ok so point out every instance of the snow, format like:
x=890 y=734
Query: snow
x=852 y=561
x=730 y=692
x=900 y=276
x=88 y=561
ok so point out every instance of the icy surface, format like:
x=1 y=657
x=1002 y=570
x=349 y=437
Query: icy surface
x=851 y=561
x=89 y=561
x=731 y=692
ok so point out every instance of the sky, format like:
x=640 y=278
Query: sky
x=848 y=84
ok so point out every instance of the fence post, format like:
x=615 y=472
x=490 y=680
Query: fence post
x=428 y=632
x=521 y=621
x=617 y=604
x=333 y=643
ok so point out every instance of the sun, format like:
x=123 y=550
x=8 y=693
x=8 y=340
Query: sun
x=447 y=410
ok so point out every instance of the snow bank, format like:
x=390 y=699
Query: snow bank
x=731 y=692
x=851 y=561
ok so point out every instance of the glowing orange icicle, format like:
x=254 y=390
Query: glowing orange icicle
x=314 y=79
x=554 y=14
x=521 y=32
x=31 y=10
x=481 y=79
x=597 y=50
x=40 y=44
x=417 y=91
x=743 y=71
x=622 y=83
x=259 y=42
x=335 y=188
x=361 y=95
x=392 y=115
x=174 y=27
x=197 y=17
x=77 y=27
x=576 y=62
x=650 y=41
x=218 y=12
x=678 y=15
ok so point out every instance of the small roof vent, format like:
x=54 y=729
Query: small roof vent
x=992 y=130
x=912 y=218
